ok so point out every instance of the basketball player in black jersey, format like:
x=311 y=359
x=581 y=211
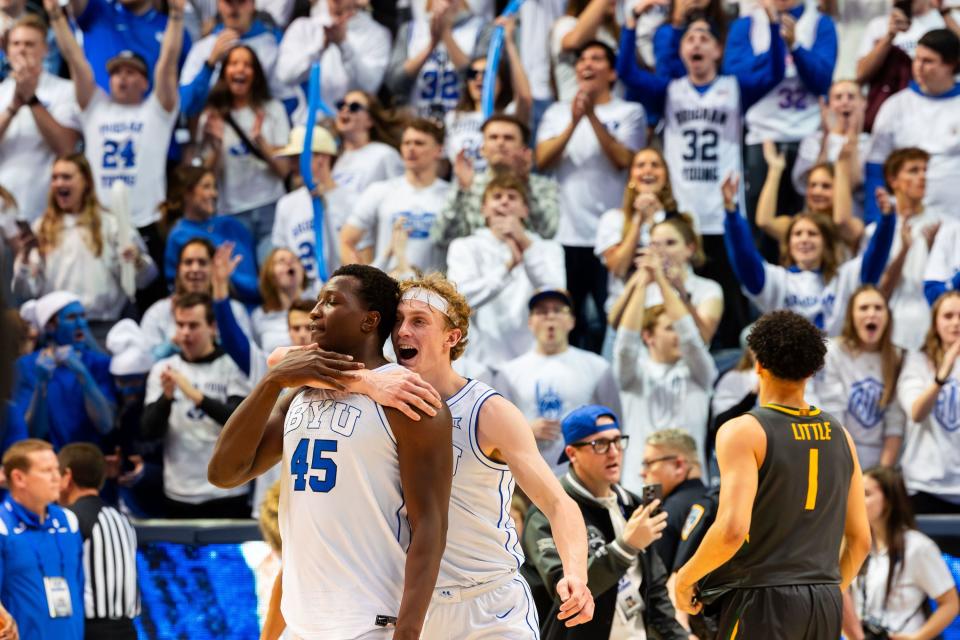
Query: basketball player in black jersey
x=791 y=529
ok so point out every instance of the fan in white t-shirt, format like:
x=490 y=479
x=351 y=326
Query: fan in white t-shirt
x=588 y=144
x=904 y=569
x=126 y=134
x=859 y=379
x=662 y=364
x=929 y=391
x=38 y=118
x=411 y=201
x=368 y=151
x=553 y=378
x=895 y=30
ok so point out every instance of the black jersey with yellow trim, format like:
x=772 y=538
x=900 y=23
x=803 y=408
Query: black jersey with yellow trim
x=799 y=512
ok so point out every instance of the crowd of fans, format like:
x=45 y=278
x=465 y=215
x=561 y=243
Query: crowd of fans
x=655 y=173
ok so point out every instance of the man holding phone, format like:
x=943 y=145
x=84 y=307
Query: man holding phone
x=629 y=585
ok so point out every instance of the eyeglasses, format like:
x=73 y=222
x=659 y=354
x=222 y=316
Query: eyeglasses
x=473 y=74
x=646 y=464
x=602 y=445
x=352 y=107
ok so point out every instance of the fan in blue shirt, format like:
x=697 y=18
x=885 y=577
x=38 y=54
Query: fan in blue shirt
x=125 y=25
x=41 y=551
x=65 y=390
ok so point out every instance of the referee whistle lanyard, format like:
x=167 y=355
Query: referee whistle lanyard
x=314 y=103
x=493 y=60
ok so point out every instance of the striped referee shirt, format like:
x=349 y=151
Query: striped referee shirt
x=109 y=561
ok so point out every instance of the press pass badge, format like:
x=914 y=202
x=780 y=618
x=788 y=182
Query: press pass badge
x=629 y=600
x=58 y=597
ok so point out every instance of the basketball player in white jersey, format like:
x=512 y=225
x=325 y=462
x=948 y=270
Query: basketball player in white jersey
x=364 y=489
x=479 y=593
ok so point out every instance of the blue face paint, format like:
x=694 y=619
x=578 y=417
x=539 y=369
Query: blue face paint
x=72 y=326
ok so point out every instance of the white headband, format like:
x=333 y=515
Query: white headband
x=429 y=297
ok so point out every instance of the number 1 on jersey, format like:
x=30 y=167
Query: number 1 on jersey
x=813 y=471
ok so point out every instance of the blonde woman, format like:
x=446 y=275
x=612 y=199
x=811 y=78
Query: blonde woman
x=78 y=248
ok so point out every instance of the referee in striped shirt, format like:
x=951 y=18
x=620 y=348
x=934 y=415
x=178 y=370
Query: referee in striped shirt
x=111 y=596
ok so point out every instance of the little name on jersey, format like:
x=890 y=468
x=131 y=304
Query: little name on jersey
x=323 y=415
x=811 y=430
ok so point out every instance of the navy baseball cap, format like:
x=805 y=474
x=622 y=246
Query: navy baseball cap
x=582 y=423
x=550 y=294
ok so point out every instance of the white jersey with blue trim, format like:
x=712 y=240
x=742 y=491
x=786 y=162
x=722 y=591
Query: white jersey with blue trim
x=702 y=144
x=482 y=539
x=342 y=515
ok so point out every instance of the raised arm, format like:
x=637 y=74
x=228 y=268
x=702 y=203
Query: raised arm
x=165 y=73
x=849 y=226
x=877 y=253
x=767 y=219
x=585 y=29
x=522 y=95
x=503 y=434
x=815 y=65
x=80 y=70
x=252 y=440
x=746 y=261
x=741 y=445
x=425 y=451
x=652 y=88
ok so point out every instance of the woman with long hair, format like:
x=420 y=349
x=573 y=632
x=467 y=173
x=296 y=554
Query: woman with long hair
x=903 y=570
x=282 y=282
x=511 y=95
x=859 y=381
x=811 y=280
x=190 y=212
x=929 y=391
x=369 y=139
x=583 y=21
x=78 y=249
x=242 y=127
x=649 y=218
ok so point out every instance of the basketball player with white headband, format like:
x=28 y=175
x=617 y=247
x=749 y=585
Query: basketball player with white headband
x=479 y=591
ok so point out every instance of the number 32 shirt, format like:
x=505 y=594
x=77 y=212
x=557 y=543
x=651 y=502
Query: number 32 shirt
x=128 y=143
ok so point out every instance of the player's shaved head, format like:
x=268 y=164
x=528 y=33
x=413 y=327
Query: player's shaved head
x=787 y=345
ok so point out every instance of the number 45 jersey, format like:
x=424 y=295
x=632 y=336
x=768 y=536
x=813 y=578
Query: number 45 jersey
x=342 y=516
x=800 y=508
x=702 y=145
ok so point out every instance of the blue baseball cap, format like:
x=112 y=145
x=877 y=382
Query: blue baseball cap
x=582 y=423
